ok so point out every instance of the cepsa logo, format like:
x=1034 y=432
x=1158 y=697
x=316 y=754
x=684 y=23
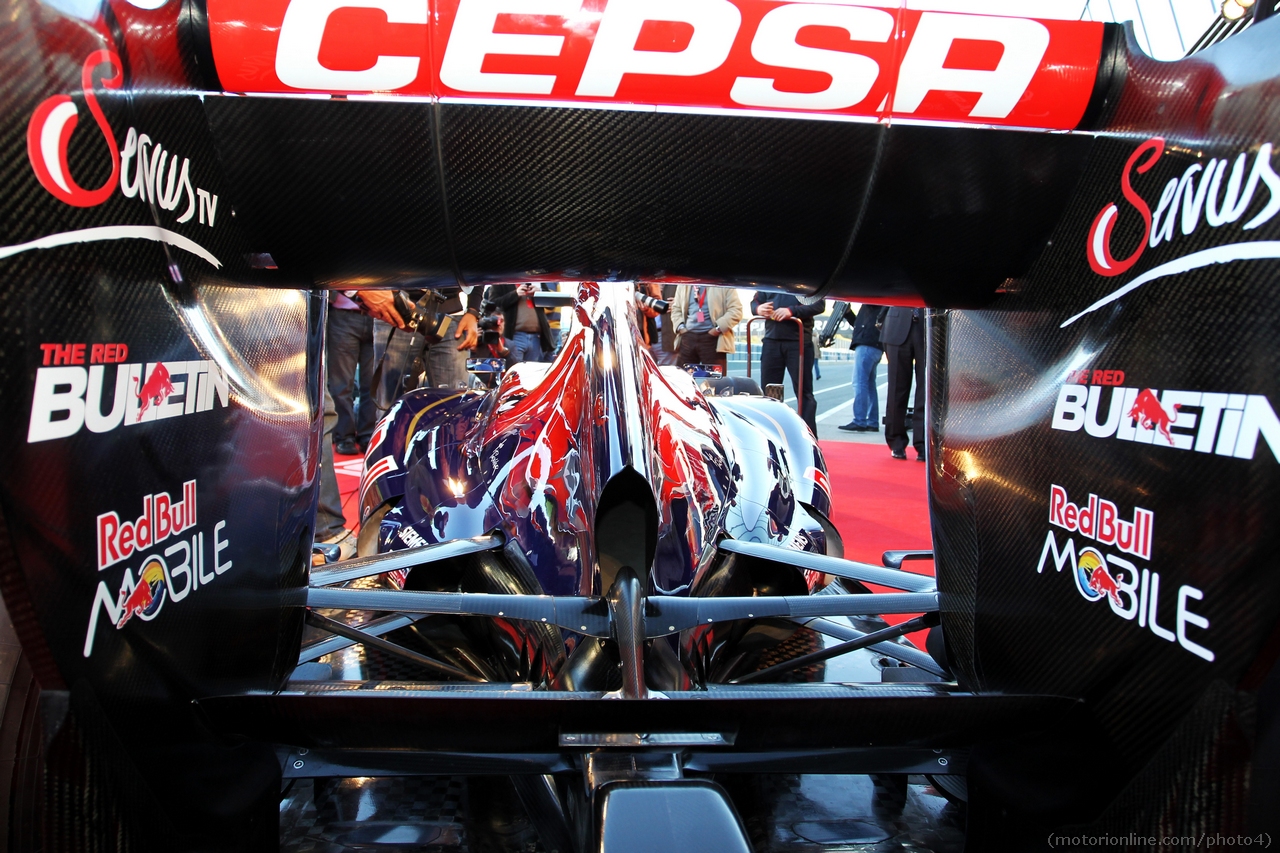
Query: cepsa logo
x=1203 y=421
x=70 y=395
x=188 y=565
x=138 y=170
x=1132 y=593
x=691 y=55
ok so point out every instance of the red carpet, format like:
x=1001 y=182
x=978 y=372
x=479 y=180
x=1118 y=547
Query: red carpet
x=880 y=504
x=349 y=469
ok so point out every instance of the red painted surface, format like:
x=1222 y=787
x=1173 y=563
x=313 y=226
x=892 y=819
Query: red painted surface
x=707 y=56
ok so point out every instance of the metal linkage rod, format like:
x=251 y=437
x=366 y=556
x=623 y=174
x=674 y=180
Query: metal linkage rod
x=897 y=651
x=668 y=615
x=894 y=578
x=590 y=616
x=376 y=627
x=581 y=614
x=343 y=630
x=894 y=559
x=928 y=620
x=363 y=567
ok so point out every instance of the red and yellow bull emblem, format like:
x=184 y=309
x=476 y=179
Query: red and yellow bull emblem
x=148 y=594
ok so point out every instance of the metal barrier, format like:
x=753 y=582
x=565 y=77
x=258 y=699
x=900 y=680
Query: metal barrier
x=800 y=371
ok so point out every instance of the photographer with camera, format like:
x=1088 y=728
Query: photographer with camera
x=414 y=333
x=649 y=307
x=526 y=330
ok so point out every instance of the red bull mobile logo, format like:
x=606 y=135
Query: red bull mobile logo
x=183 y=560
x=1133 y=593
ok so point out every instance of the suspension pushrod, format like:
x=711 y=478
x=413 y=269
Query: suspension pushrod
x=363 y=567
x=841 y=568
x=928 y=620
x=344 y=630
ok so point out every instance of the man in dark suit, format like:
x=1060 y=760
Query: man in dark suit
x=780 y=350
x=903 y=339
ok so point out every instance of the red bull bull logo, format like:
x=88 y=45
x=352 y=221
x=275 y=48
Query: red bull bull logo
x=148 y=594
x=1095 y=579
x=155 y=390
x=1147 y=411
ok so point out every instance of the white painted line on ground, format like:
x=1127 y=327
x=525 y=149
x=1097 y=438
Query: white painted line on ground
x=823 y=391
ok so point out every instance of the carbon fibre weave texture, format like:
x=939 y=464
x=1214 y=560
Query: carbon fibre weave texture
x=1211 y=329
x=599 y=191
x=954 y=211
x=338 y=192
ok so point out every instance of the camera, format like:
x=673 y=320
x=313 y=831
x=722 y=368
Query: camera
x=662 y=306
x=423 y=316
x=430 y=316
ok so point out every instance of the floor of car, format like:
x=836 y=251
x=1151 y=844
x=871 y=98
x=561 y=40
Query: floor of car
x=790 y=813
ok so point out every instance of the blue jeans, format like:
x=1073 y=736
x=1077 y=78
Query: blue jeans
x=350 y=350
x=443 y=364
x=866 y=402
x=525 y=346
x=329 y=519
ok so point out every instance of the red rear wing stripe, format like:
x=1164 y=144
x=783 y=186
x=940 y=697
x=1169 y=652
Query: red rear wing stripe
x=806 y=59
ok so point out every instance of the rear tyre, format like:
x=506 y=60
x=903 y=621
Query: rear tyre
x=954 y=788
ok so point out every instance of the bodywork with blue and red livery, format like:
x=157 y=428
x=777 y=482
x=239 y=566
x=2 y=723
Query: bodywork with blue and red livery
x=1096 y=236
x=596 y=460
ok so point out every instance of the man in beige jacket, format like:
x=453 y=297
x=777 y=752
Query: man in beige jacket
x=704 y=319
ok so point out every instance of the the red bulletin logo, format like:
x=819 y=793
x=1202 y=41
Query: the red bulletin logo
x=687 y=55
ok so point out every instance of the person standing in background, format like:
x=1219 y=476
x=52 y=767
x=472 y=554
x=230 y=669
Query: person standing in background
x=780 y=351
x=867 y=352
x=665 y=354
x=405 y=354
x=553 y=324
x=349 y=348
x=331 y=525
x=704 y=319
x=527 y=331
x=815 y=339
x=647 y=318
x=903 y=337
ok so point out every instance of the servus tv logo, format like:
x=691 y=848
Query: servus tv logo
x=1182 y=200
x=1223 y=197
x=186 y=566
x=1203 y=421
x=1099 y=573
x=138 y=170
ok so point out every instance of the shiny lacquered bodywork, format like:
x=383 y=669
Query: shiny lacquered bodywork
x=534 y=457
